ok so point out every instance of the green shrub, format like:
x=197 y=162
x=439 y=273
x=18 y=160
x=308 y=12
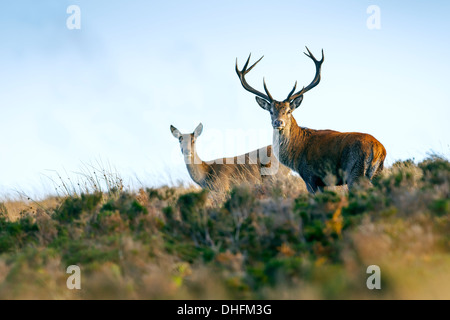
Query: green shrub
x=73 y=207
x=436 y=169
x=3 y=211
x=79 y=252
x=440 y=207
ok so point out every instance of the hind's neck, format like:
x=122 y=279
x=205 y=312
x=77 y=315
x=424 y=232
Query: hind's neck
x=196 y=167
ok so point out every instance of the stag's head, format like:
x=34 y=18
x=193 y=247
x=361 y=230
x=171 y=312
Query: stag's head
x=187 y=140
x=280 y=111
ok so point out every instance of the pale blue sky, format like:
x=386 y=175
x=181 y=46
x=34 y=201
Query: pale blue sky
x=110 y=90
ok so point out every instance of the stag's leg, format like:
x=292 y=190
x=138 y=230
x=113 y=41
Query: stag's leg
x=312 y=185
x=312 y=188
x=379 y=169
x=374 y=170
x=354 y=173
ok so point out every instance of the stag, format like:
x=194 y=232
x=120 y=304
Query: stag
x=321 y=157
x=222 y=173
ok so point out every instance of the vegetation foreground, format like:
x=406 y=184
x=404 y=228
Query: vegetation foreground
x=273 y=241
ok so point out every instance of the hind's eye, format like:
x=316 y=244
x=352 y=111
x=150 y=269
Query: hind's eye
x=180 y=139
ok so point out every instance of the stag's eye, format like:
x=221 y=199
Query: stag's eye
x=180 y=139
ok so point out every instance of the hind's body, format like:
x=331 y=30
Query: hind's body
x=252 y=167
x=222 y=173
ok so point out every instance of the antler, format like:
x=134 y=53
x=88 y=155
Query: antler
x=313 y=83
x=244 y=83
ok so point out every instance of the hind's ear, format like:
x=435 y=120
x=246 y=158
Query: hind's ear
x=296 y=103
x=175 y=132
x=198 y=130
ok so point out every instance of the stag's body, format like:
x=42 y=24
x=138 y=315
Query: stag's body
x=321 y=157
x=327 y=157
x=221 y=174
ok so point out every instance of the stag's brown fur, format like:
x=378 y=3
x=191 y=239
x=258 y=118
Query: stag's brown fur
x=321 y=156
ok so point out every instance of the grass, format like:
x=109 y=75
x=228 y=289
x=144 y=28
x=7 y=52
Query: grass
x=269 y=241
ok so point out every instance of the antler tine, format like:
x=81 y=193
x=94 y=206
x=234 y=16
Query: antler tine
x=237 y=69
x=244 y=70
x=246 y=63
x=292 y=91
x=316 y=79
x=248 y=70
x=267 y=90
x=310 y=55
x=241 y=74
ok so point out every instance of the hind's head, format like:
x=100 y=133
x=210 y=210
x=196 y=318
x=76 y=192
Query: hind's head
x=187 y=140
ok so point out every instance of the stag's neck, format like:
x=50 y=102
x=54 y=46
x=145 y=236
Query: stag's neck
x=196 y=167
x=289 y=141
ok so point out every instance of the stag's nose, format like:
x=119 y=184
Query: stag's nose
x=278 y=124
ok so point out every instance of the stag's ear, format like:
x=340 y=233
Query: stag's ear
x=263 y=103
x=175 y=132
x=198 y=130
x=296 y=103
